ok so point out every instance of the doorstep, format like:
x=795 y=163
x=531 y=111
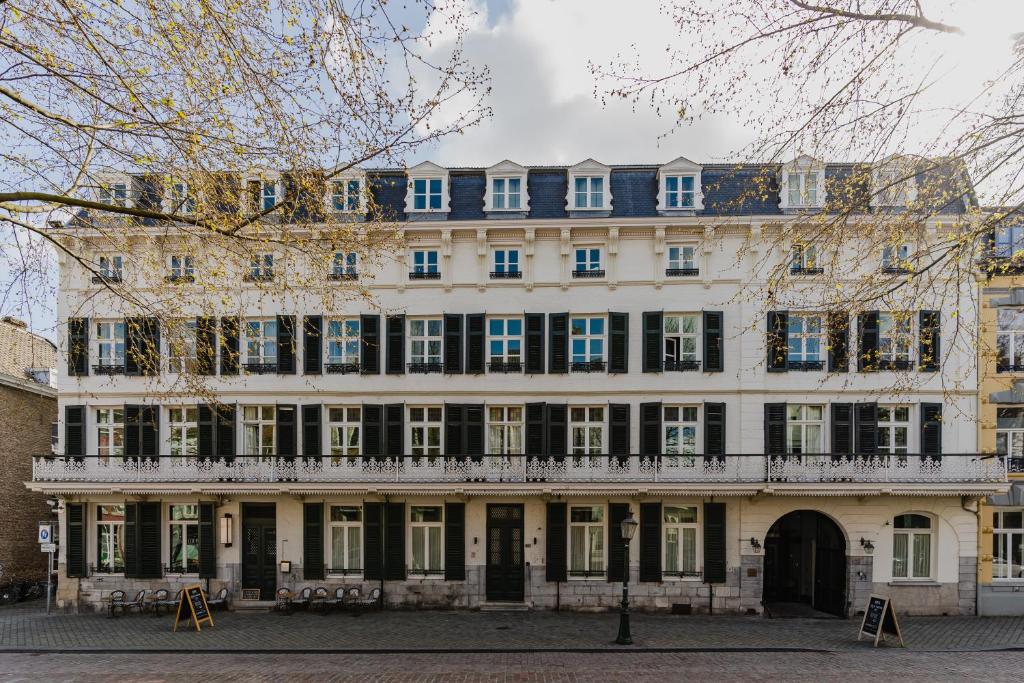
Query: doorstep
x=504 y=607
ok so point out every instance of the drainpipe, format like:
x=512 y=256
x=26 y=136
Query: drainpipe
x=383 y=549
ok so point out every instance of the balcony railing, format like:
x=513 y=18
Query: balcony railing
x=504 y=366
x=588 y=273
x=681 y=365
x=184 y=277
x=681 y=272
x=837 y=470
x=425 y=275
x=343 y=275
x=507 y=275
x=108 y=369
x=805 y=365
x=341 y=368
x=1015 y=465
x=259 y=277
x=425 y=368
x=587 y=366
x=801 y=270
x=260 y=368
x=1009 y=367
x=110 y=279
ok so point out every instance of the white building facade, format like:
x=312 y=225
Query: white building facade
x=553 y=350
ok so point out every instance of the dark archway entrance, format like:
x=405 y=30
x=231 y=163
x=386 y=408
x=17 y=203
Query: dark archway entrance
x=805 y=565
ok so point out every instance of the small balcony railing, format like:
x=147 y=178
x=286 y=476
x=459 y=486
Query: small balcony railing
x=805 y=365
x=897 y=365
x=834 y=470
x=583 y=274
x=898 y=269
x=425 y=368
x=108 y=368
x=425 y=275
x=680 y=365
x=507 y=275
x=260 y=368
x=588 y=366
x=341 y=368
x=1015 y=465
x=259 y=277
x=1009 y=367
x=801 y=270
x=504 y=366
x=681 y=272
x=109 y=279
x=182 y=278
x=339 y=276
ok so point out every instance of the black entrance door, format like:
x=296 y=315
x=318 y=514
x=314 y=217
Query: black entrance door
x=259 y=548
x=505 y=553
x=805 y=564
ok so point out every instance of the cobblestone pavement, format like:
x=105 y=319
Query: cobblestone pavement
x=27 y=628
x=521 y=667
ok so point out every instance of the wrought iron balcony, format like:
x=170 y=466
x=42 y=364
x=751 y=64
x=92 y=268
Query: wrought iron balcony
x=259 y=277
x=588 y=366
x=671 y=365
x=504 y=366
x=1009 y=367
x=800 y=270
x=260 y=368
x=339 y=276
x=895 y=364
x=588 y=273
x=341 y=368
x=835 y=470
x=507 y=275
x=898 y=269
x=183 y=278
x=681 y=272
x=425 y=368
x=805 y=365
x=108 y=368
x=110 y=279
x=425 y=275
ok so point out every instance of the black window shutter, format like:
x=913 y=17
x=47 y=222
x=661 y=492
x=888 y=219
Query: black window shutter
x=76 y=553
x=454 y=418
x=149 y=431
x=455 y=541
x=930 y=348
x=311 y=432
x=132 y=437
x=536 y=429
x=286 y=431
x=394 y=433
x=396 y=345
x=475 y=324
x=133 y=353
x=207 y=542
x=867 y=331
x=369 y=344
x=616 y=546
x=778 y=340
x=205 y=424
x=534 y=324
x=131 y=540
x=618 y=430
x=150 y=559
x=78 y=346
x=206 y=346
x=373 y=540
x=225 y=431
x=842 y=429
x=775 y=428
x=373 y=429
x=286 y=344
x=618 y=342
x=650 y=428
x=653 y=341
x=556 y=542
x=931 y=430
x=453 y=344
x=394 y=541
x=151 y=346
x=838 y=323
x=74 y=430
x=867 y=427
x=229 y=345
x=714 y=429
x=714 y=345
x=558 y=428
x=312 y=541
x=473 y=437
x=558 y=325
x=312 y=344
x=650 y=542
x=714 y=543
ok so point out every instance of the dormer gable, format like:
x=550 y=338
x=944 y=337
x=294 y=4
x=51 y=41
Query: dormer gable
x=428 y=191
x=506 y=188
x=589 y=187
x=802 y=183
x=894 y=181
x=679 y=187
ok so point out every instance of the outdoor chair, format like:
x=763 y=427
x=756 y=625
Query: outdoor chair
x=303 y=599
x=371 y=600
x=165 y=602
x=159 y=595
x=219 y=601
x=337 y=602
x=319 y=599
x=283 y=601
x=115 y=602
x=138 y=602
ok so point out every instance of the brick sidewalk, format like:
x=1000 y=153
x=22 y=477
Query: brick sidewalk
x=28 y=629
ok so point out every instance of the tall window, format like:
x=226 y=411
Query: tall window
x=426 y=529
x=681 y=261
x=343 y=344
x=346 y=539
x=1009 y=241
x=181 y=346
x=912 y=547
x=111 y=267
x=110 y=344
x=804 y=428
x=895 y=338
x=268 y=194
x=896 y=258
x=345 y=425
x=184 y=526
x=586 y=541
x=586 y=427
x=804 y=259
x=345 y=195
x=680 y=434
x=505 y=343
x=345 y=265
x=586 y=339
x=680 y=525
x=803 y=189
x=806 y=338
x=589 y=192
x=505 y=193
x=1008 y=545
x=588 y=259
x=183 y=424
x=424 y=261
x=894 y=430
x=506 y=261
x=114 y=194
x=426 y=193
x=259 y=428
x=109 y=431
x=261 y=268
x=425 y=341
x=504 y=430
x=182 y=266
x=260 y=342
x=679 y=192
x=110 y=538
x=182 y=200
x=425 y=424
x=1010 y=432
x=681 y=333
x=1010 y=340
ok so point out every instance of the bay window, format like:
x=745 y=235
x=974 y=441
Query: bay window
x=109 y=539
x=346 y=524
x=586 y=541
x=912 y=545
x=426 y=530
x=679 y=525
x=184 y=535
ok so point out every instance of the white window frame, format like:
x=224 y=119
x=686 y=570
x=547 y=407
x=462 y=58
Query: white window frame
x=183 y=430
x=681 y=167
x=110 y=342
x=1012 y=438
x=682 y=574
x=265 y=417
x=681 y=417
x=911 y=534
x=180 y=198
x=344 y=182
x=424 y=424
x=427 y=172
x=345 y=526
x=263 y=342
x=802 y=184
x=588 y=192
x=899 y=330
x=677 y=198
x=424 y=528
x=186 y=524
x=803 y=336
x=590 y=170
x=424 y=338
x=678 y=337
x=505 y=171
x=182 y=345
x=1011 y=339
x=505 y=430
x=344 y=423
x=587 y=425
x=426 y=266
x=342 y=333
x=890 y=426
x=893 y=182
x=506 y=266
x=896 y=258
x=261 y=267
x=110 y=422
x=803 y=258
x=181 y=266
x=1009 y=241
x=681 y=261
x=804 y=424
x=589 y=338
x=1004 y=538
x=115 y=533
x=270 y=185
x=506 y=339
x=588 y=571
x=115 y=190
x=501 y=197
x=345 y=265
x=587 y=263
x=110 y=266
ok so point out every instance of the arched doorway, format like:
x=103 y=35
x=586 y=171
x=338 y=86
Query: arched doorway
x=805 y=565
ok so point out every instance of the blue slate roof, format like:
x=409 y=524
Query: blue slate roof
x=467 y=196
x=547 y=190
x=634 y=192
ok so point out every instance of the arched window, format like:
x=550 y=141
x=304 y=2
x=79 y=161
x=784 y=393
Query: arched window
x=912 y=547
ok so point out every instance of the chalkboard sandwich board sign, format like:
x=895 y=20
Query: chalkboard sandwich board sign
x=193 y=603
x=880 y=620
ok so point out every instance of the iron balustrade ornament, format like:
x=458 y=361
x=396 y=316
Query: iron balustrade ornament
x=259 y=277
x=425 y=368
x=680 y=365
x=345 y=275
x=108 y=369
x=507 y=275
x=504 y=366
x=595 y=273
x=800 y=270
x=260 y=368
x=681 y=272
x=805 y=365
x=588 y=366
x=180 y=278
x=425 y=275
x=902 y=364
x=106 y=279
x=1007 y=367
x=341 y=368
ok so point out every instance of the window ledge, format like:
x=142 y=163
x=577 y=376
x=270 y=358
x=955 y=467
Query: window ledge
x=926 y=583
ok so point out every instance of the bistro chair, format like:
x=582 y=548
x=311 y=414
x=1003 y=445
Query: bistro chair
x=170 y=605
x=219 y=601
x=138 y=602
x=283 y=601
x=337 y=602
x=115 y=602
x=303 y=600
x=159 y=595
x=319 y=599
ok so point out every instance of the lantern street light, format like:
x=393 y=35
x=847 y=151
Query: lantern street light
x=629 y=525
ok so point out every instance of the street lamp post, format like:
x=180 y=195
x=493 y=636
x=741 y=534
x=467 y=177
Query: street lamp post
x=628 y=526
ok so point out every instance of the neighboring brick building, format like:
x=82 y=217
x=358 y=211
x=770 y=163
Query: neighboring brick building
x=29 y=408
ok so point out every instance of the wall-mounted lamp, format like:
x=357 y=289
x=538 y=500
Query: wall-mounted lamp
x=868 y=546
x=227 y=529
x=755 y=544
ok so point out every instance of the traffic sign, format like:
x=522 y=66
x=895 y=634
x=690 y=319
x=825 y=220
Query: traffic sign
x=45 y=532
x=48 y=547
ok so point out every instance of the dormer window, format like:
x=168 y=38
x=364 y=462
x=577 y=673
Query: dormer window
x=505 y=193
x=426 y=194
x=679 y=191
x=894 y=182
x=428 y=189
x=802 y=184
x=263 y=192
x=345 y=195
x=679 y=187
x=115 y=192
x=588 y=187
x=506 y=188
x=896 y=259
x=182 y=200
x=802 y=189
x=1009 y=241
x=589 y=192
